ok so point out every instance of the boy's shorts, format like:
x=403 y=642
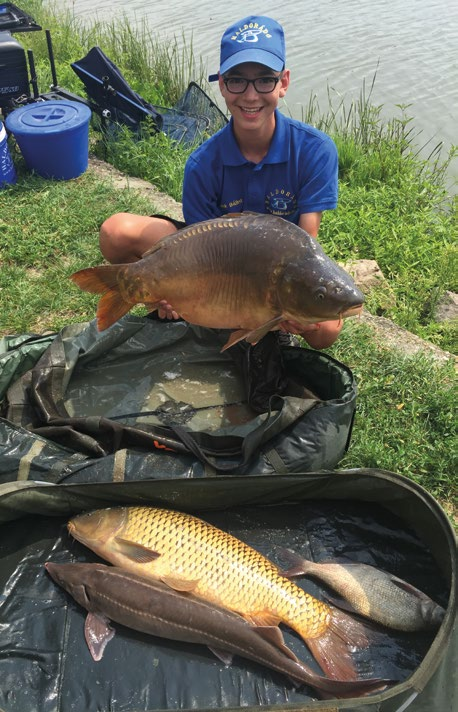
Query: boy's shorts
x=179 y=224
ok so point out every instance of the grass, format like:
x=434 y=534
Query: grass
x=406 y=417
x=393 y=208
x=45 y=235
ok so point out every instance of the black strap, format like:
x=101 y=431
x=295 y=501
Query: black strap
x=282 y=413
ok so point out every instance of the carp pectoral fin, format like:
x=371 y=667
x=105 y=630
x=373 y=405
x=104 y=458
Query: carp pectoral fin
x=252 y=335
x=152 y=306
x=222 y=655
x=262 y=618
x=137 y=552
x=98 y=633
x=234 y=338
x=179 y=584
x=274 y=636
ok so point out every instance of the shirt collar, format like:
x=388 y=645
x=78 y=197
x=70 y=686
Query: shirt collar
x=278 y=151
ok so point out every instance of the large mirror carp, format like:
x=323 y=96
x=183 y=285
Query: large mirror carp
x=243 y=271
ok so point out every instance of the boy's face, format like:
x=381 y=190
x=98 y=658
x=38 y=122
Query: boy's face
x=252 y=108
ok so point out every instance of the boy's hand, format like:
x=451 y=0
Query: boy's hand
x=293 y=327
x=318 y=336
x=166 y=311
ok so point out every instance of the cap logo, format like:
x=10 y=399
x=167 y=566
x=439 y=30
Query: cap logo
x=249 y=33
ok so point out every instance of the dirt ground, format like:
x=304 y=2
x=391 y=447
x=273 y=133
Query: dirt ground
x=163 y=203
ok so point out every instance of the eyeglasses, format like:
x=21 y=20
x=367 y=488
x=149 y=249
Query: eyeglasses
x=263 y=85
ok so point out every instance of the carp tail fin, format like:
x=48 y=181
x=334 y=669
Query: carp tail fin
x=97 y=280
x=104 y=280
x=111 y=307
x=333 y=650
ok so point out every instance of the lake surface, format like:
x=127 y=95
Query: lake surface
x=336 y=46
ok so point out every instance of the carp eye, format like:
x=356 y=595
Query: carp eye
x=320 y=294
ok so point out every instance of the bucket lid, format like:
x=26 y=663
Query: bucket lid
x=48 y=117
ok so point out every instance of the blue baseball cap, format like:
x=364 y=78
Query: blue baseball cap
x=256 y=38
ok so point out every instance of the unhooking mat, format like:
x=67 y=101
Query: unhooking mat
x=144 y=395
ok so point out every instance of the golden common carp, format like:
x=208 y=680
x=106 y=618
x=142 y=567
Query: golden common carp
x=244 y=271
x=188 y=554
x=110 y=593
x=374 y=593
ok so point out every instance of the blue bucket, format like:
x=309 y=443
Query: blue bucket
x=53 y=137
x=7 y=172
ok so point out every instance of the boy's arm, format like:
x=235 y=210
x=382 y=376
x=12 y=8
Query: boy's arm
x=310 y=222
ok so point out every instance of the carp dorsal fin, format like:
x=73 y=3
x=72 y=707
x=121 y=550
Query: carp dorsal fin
x=136 y=552
x=252 y=335
x=178 y=584
x=243 y=214
x=159 y=245
x=227 y=217
x=98 y=633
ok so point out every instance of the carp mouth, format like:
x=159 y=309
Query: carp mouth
x=351 y=311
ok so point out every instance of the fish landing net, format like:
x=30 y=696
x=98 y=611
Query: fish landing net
x=194 y=117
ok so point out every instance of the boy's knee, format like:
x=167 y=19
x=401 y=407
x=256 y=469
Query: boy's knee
x=113 y=226
x=125 y=237
x=114 y=238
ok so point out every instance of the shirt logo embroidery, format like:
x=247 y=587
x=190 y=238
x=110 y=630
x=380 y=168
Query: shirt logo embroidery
x=281 y=202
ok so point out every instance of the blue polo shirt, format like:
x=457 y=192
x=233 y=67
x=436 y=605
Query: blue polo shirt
x=298 y=175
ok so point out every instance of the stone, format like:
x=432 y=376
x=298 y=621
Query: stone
x=447 y=308
x=369 y=278
x=394 y=337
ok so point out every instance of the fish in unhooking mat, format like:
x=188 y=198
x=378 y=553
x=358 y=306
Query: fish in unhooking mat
x=244 y=271
x=189 y=554
x=373 y=593
x=110 y=593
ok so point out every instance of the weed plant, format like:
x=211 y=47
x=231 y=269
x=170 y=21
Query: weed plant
x=393 y=208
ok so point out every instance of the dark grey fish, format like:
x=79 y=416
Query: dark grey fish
x=111 y=593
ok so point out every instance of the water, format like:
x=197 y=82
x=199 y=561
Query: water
x=337 y=45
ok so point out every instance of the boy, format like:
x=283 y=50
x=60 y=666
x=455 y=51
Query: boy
x=261 y=161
